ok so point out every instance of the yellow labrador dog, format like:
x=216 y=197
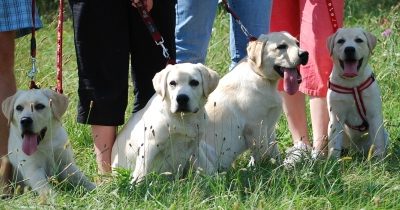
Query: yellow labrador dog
x=164 y=134
x=354 y=98
x=38 y=145
x=244 y=108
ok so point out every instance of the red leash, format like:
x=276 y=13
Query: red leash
x=59 y=87
x=155 y=34
x=332 y=15
x=249 y=36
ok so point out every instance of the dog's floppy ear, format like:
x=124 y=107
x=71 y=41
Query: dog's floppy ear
x=371 y=40
x=59 y=103
x=210 y=78
x=331 y=42
x=255 y=50
x=8 y=106
x=160 y=81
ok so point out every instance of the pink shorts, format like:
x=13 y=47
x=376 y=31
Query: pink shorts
x=309 y=21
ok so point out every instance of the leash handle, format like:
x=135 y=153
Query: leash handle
x=155 y=34
x=249 y=36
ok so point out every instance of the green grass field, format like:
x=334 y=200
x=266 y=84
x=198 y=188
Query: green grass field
x=347 y=184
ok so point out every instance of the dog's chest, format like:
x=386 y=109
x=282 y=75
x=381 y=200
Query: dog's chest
x=43 y=159
x=351 y=109
x=182 y=130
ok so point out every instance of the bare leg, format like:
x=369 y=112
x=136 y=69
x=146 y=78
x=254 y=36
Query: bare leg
x=7 y=88
x=294 y=107
x=104 y=137
x=320 y=120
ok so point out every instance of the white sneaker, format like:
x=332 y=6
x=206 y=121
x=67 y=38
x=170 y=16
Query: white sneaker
x=295 y=154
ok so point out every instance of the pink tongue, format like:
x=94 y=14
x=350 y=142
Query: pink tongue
x=290 y=76
x=350 y=69
x=29 y=144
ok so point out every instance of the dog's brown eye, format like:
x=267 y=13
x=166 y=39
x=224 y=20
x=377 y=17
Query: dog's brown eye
x=172 y=83
x=193 y=83
x=340 y=41
x=358 y=40
x=282 y=46
x=19 y=108
x=39 y=106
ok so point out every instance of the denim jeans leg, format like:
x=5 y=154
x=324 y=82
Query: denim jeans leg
x=194 y=22
x=255 y=16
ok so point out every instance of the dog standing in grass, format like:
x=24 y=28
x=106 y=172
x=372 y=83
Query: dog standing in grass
x=38 y=146
x=354 y=98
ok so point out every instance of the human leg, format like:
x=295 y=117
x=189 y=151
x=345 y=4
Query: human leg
x=294 y=107
x=103 y=67
x=194 y=21
x=319 y=120
x=286 y=17
x=7 y=88
x=255 y=16
x=103 y=138
x=316 y=72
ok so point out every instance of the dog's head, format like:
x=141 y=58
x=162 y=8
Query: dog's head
x=32 y=113
x=185 y=86
x=278 y=55
x=350 y=49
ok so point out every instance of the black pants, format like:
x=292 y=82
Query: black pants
x=107 y=34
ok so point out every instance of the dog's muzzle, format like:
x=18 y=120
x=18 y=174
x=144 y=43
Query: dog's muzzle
x=26 y=123
x=30 y=139
x=350 y=65
x=183 y=103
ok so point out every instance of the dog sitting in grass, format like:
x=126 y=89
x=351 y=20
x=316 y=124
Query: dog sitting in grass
x=354 y=98
x=163 y=136
x=244 y=108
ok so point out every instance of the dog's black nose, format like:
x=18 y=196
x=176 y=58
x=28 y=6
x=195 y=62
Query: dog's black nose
x=350 y=52
x=182 y=99
x=26 y=122
x=303 y=57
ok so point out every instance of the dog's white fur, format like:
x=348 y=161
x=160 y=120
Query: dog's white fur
x=163 y=135
x=244 y=108
x=54 y=156
x=342 y=107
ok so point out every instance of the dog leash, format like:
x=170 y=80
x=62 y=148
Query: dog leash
x=59 y=85
x=249 y=36
x=332 y=15
x=356 y=92
x=32 y=73
x=155 y=34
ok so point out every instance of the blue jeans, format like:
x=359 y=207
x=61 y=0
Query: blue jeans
x=194 y=21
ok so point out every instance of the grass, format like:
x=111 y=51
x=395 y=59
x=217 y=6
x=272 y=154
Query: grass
x=346 y=184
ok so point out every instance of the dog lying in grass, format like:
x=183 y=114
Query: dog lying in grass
x=38 y=146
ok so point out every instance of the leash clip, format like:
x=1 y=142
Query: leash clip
x=165 y=50
x=244 y=29
x=33 y=71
